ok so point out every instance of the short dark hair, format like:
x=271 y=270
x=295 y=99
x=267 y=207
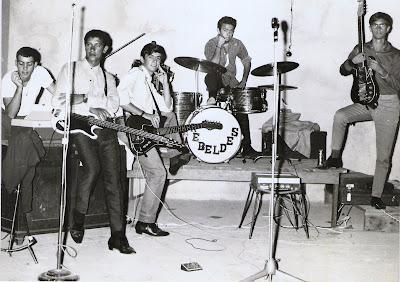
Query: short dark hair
x=104 y=36
x=226 y=20
x=153 y=47
x=380 y=15
x=29 y=52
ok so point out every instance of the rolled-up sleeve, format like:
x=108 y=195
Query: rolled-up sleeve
x=210 y=48
x=125 y=84
x=243 y=54
x=61 y=87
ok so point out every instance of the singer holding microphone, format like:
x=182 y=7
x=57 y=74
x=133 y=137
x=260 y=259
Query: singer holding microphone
x=223 y=50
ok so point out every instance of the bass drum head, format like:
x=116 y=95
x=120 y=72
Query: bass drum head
x=215 y=145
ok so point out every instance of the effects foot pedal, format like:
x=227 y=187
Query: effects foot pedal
x=191 y=266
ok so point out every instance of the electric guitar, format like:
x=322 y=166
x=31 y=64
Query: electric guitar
x=141 y=123
x=364 y=89
x=87 y=125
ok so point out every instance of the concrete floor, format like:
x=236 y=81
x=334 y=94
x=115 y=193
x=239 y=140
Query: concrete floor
x=206 y=232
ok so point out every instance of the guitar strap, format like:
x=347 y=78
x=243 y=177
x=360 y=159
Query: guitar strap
x=73 y=78
x=105 y=80
x=154 y=99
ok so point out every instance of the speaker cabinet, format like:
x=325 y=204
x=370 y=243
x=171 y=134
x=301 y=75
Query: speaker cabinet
x=44 y=217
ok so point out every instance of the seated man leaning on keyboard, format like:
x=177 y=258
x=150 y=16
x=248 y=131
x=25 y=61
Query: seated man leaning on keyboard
x=20 y=89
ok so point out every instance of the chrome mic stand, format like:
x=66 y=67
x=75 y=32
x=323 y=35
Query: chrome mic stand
x=60 y=274
x=271 y=265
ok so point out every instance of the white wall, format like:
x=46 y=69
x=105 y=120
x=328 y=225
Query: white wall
x=323 y=34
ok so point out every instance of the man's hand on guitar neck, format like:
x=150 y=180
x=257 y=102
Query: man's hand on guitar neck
x=100 y=113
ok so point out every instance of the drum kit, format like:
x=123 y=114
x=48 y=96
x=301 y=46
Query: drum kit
x=217 y=146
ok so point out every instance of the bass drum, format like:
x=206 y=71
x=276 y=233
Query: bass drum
x=216 y=145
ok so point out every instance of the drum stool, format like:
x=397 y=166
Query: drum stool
x=287 y=187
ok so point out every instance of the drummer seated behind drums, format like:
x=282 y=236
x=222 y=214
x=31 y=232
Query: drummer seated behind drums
x=138 y=96
x=223 y=50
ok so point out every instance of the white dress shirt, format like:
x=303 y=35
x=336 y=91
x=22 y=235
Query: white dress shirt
x=40 y=78
x=136 y=88
x=88 y=80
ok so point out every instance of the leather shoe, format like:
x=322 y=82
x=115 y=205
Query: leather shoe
x=176 y=162
x=121 y=244
x=333 y=162
x=77 y=230
x=150 y=228
x=77 y=235
x=250 y=152
x=377 y=203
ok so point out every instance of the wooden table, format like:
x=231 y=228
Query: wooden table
x=238 y=171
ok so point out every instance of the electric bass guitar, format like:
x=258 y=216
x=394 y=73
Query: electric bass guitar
x=141 y=123
x=87 y=125
x=364 y=90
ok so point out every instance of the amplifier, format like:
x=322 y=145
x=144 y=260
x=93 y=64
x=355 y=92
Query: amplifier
x=44 y=217
x=355 y=189
x=284 y=182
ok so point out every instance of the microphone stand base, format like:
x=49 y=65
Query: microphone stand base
x=270 y=269
x=58 y=275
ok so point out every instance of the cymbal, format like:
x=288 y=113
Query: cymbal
x=281 y=87
x=199 y=65
x=268 y=69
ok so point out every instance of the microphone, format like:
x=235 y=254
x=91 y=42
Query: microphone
x=275 y=26
x=275 y=23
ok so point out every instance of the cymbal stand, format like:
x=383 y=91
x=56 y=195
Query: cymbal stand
x=60 y=274
x=31 y=240
x=271 y=265
x=196 y=77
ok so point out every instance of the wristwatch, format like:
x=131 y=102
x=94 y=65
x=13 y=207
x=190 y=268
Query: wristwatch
x=85 y=98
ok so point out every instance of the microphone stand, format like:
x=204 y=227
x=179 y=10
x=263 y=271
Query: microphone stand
x=271 y=265
x=60 y=274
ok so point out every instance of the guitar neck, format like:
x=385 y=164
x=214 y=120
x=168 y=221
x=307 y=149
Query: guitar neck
x=361 y=34
x=179 y=128
x=121 y=128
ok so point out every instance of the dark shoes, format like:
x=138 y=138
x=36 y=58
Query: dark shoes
x=333 y=162
x=77 y=230
x=377 y=203
x=77 y=235
x=248 y=151
x=150 y=228
x=176 y=162
x=120 y=242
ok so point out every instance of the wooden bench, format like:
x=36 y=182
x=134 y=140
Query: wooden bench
x=238 y=171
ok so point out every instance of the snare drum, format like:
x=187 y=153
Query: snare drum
x=185 y=103
x=248 y=100
x=215 y=145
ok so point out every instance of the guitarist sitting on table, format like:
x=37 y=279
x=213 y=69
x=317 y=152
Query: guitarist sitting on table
x=94 y=93
x=139 y=97
x=386 y=65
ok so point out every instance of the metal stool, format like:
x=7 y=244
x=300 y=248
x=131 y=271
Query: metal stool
x=287 y=187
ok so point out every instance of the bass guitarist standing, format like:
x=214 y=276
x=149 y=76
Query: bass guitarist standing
x=383 y=61
x=94 y=92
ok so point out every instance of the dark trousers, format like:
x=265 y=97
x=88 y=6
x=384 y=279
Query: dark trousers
x=101 y=158
x=214 y=84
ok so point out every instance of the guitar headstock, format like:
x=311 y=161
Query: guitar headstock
x=362 y=8
x=211 y=124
